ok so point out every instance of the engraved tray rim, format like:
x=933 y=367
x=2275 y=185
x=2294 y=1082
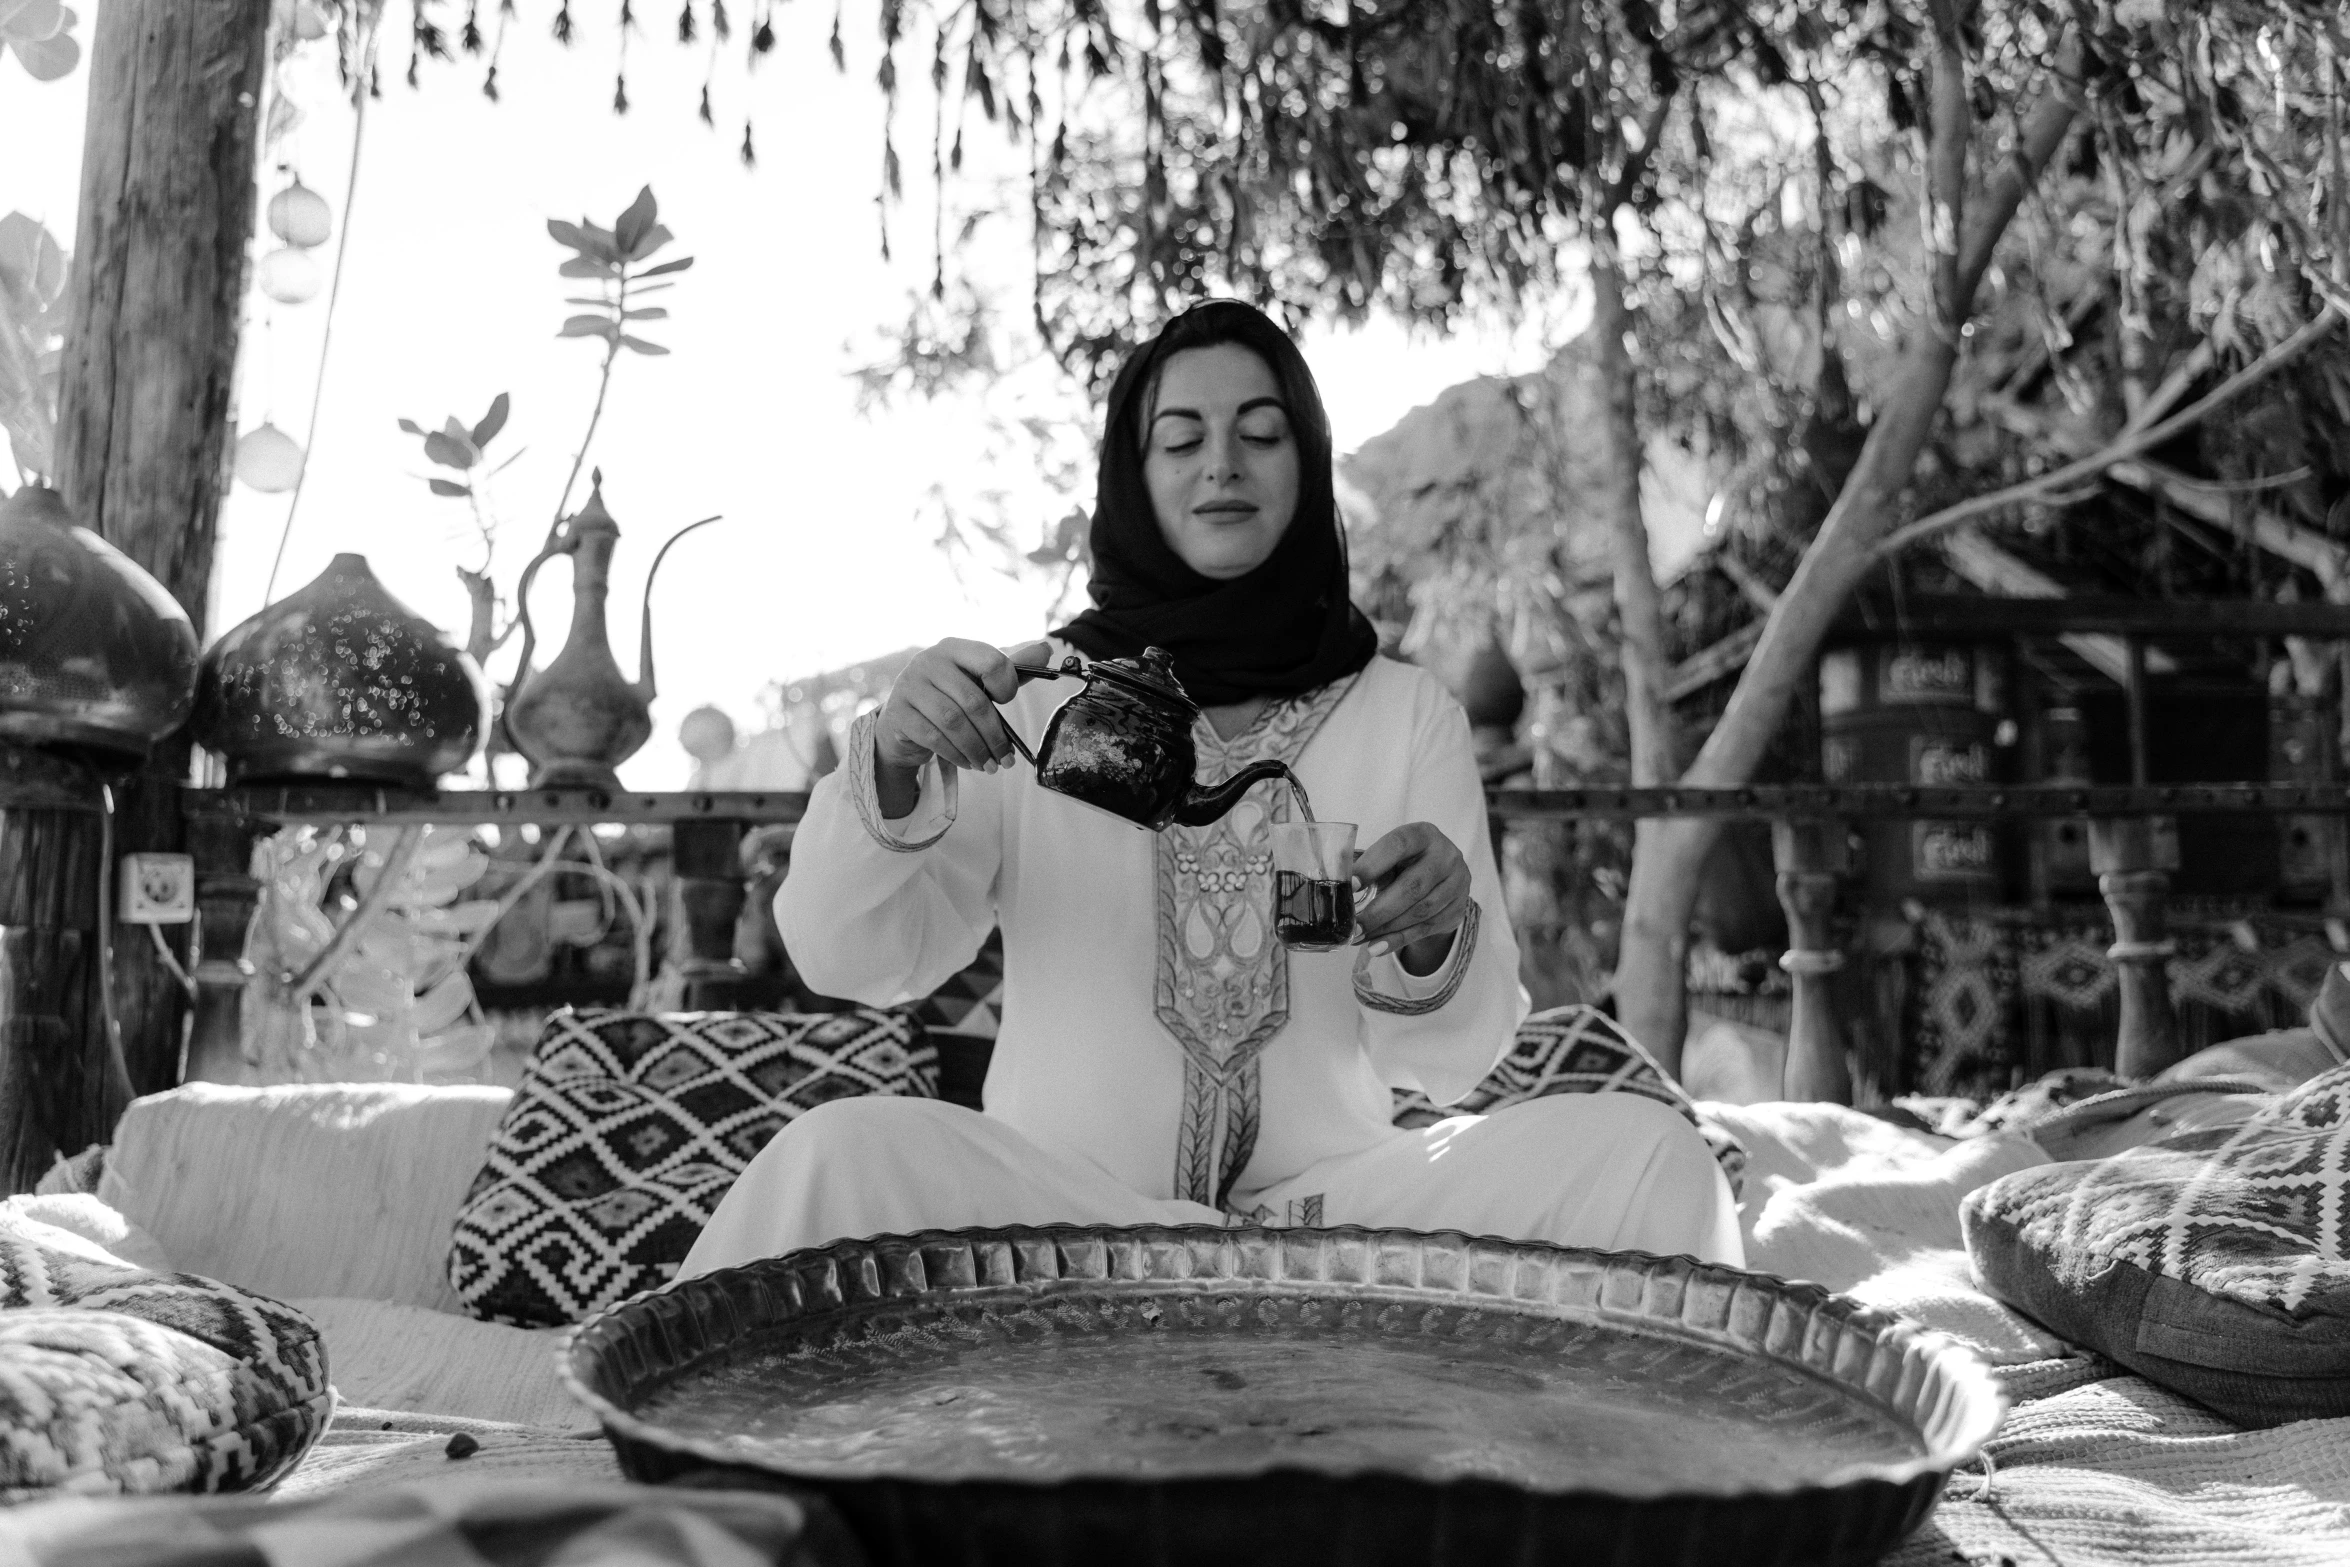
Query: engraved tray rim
x=1940 y=1389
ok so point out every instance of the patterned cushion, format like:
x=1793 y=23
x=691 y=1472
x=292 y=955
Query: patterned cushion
x=627 y=1130
x=95 y=1403
x=1576 y=1050
x=970 y=1003
x=116 y=1379
x=2214 y=1261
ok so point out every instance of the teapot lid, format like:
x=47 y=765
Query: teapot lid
x=1152 y=675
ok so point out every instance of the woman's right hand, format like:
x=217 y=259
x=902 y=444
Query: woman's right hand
x=944 y=705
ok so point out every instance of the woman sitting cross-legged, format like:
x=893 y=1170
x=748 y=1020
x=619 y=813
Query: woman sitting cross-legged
x=1161 y=1056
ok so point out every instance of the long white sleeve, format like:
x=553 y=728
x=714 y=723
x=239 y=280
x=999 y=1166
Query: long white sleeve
x=887 y=922
x=1442 y=1032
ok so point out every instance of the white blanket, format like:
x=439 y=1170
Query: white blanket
x=1868 y=1208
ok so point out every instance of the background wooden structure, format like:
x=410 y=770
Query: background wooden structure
x=146 y=411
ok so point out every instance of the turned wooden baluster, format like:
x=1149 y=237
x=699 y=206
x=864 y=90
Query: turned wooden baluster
x=226 y=895
x=703 y=974
x=2122 y=852
x=1809 y=855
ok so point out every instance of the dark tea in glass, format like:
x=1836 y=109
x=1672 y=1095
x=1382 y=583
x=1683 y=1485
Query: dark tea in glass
x=1311 y=914
x=1313 y=885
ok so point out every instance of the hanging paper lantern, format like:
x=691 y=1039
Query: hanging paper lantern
x=268 y=459
x=289 y=276
x=299 y=216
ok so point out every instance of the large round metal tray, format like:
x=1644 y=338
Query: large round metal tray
x=1082 y=1394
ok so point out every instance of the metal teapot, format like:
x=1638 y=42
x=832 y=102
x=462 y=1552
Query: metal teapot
x=1123 y=744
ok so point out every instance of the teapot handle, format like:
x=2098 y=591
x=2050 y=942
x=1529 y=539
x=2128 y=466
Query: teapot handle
x=1070 y=669
x=1019 y=744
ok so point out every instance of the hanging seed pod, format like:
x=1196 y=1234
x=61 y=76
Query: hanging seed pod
x=299 y=216
x=289 y=276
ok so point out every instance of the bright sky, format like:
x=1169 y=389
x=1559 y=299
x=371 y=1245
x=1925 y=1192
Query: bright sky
x=449 y=296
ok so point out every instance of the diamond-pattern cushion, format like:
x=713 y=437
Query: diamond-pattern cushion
x=116 y=1379
x=1576 y=1050
x=627 y=1130
x=2215 y=1262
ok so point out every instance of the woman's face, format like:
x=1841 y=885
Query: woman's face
x=1220 y=459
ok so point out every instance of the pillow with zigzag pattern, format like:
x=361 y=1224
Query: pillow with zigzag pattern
x=629 y=1127
x=2215 y=1262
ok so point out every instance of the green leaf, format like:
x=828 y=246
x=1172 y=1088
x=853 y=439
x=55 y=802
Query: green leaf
x=630 y=229
x=679 y=265
x=448 y=487
x=49 y=60
x=587 y=239
x=641 y=346
x=585 y=266
x=651 y=313
x=654 y=238
x=32 y=20
x=589 y=326
x=635 y=289
x=412 y=427
x=450 y=451
x=603 y=301
x=491 y=422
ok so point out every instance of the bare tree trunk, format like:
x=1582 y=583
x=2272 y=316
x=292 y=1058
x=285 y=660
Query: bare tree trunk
x=1640 y=616
x=1639 y=607
x=1649 y=969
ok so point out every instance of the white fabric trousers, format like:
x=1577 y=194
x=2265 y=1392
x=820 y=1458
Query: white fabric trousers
x=1615 y=1171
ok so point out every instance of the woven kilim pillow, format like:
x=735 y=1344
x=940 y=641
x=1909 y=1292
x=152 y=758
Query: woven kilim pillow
x=2215 y=1262
x=116 y=1379
x=1576 y=1050
x=627 y=1130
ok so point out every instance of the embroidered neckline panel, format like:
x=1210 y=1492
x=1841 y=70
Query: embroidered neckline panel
x=1222 y=982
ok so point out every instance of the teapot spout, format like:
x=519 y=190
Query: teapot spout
x=644 y=686
x=1200 y=806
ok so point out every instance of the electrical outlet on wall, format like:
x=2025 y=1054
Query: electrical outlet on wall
x=157 y=889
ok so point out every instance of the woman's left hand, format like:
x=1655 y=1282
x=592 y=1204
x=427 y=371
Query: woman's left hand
x=1423 y=893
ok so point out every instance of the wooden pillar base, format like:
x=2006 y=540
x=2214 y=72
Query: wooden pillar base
x=702 y=972
x=226 y=895
x=2122 y=853
x=1810 y=855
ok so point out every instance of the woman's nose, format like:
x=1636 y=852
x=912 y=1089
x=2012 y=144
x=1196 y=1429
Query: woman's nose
x=1222 y=463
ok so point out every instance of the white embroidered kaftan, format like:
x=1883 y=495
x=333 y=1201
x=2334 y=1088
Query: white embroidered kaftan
x=1151 y=1023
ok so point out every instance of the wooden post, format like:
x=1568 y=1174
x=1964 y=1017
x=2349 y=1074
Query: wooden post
x=226 y=895
x=1809 y=856
x=157 y=293
x=61 y=1084
x=707 y=856
x=2123 y=854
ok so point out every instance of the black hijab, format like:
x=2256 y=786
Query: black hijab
x=1286 y=627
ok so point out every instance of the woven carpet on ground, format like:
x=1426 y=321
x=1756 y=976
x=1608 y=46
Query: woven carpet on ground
x=2120 y=1473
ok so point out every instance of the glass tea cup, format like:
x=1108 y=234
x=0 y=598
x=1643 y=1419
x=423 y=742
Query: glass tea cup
x=1313 y=885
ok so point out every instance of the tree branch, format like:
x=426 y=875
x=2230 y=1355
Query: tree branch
x=1949 y=128
x=2128 y=445
x=2052 y=119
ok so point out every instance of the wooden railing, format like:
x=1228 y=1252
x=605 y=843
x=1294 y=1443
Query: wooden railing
x=1810 y=837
